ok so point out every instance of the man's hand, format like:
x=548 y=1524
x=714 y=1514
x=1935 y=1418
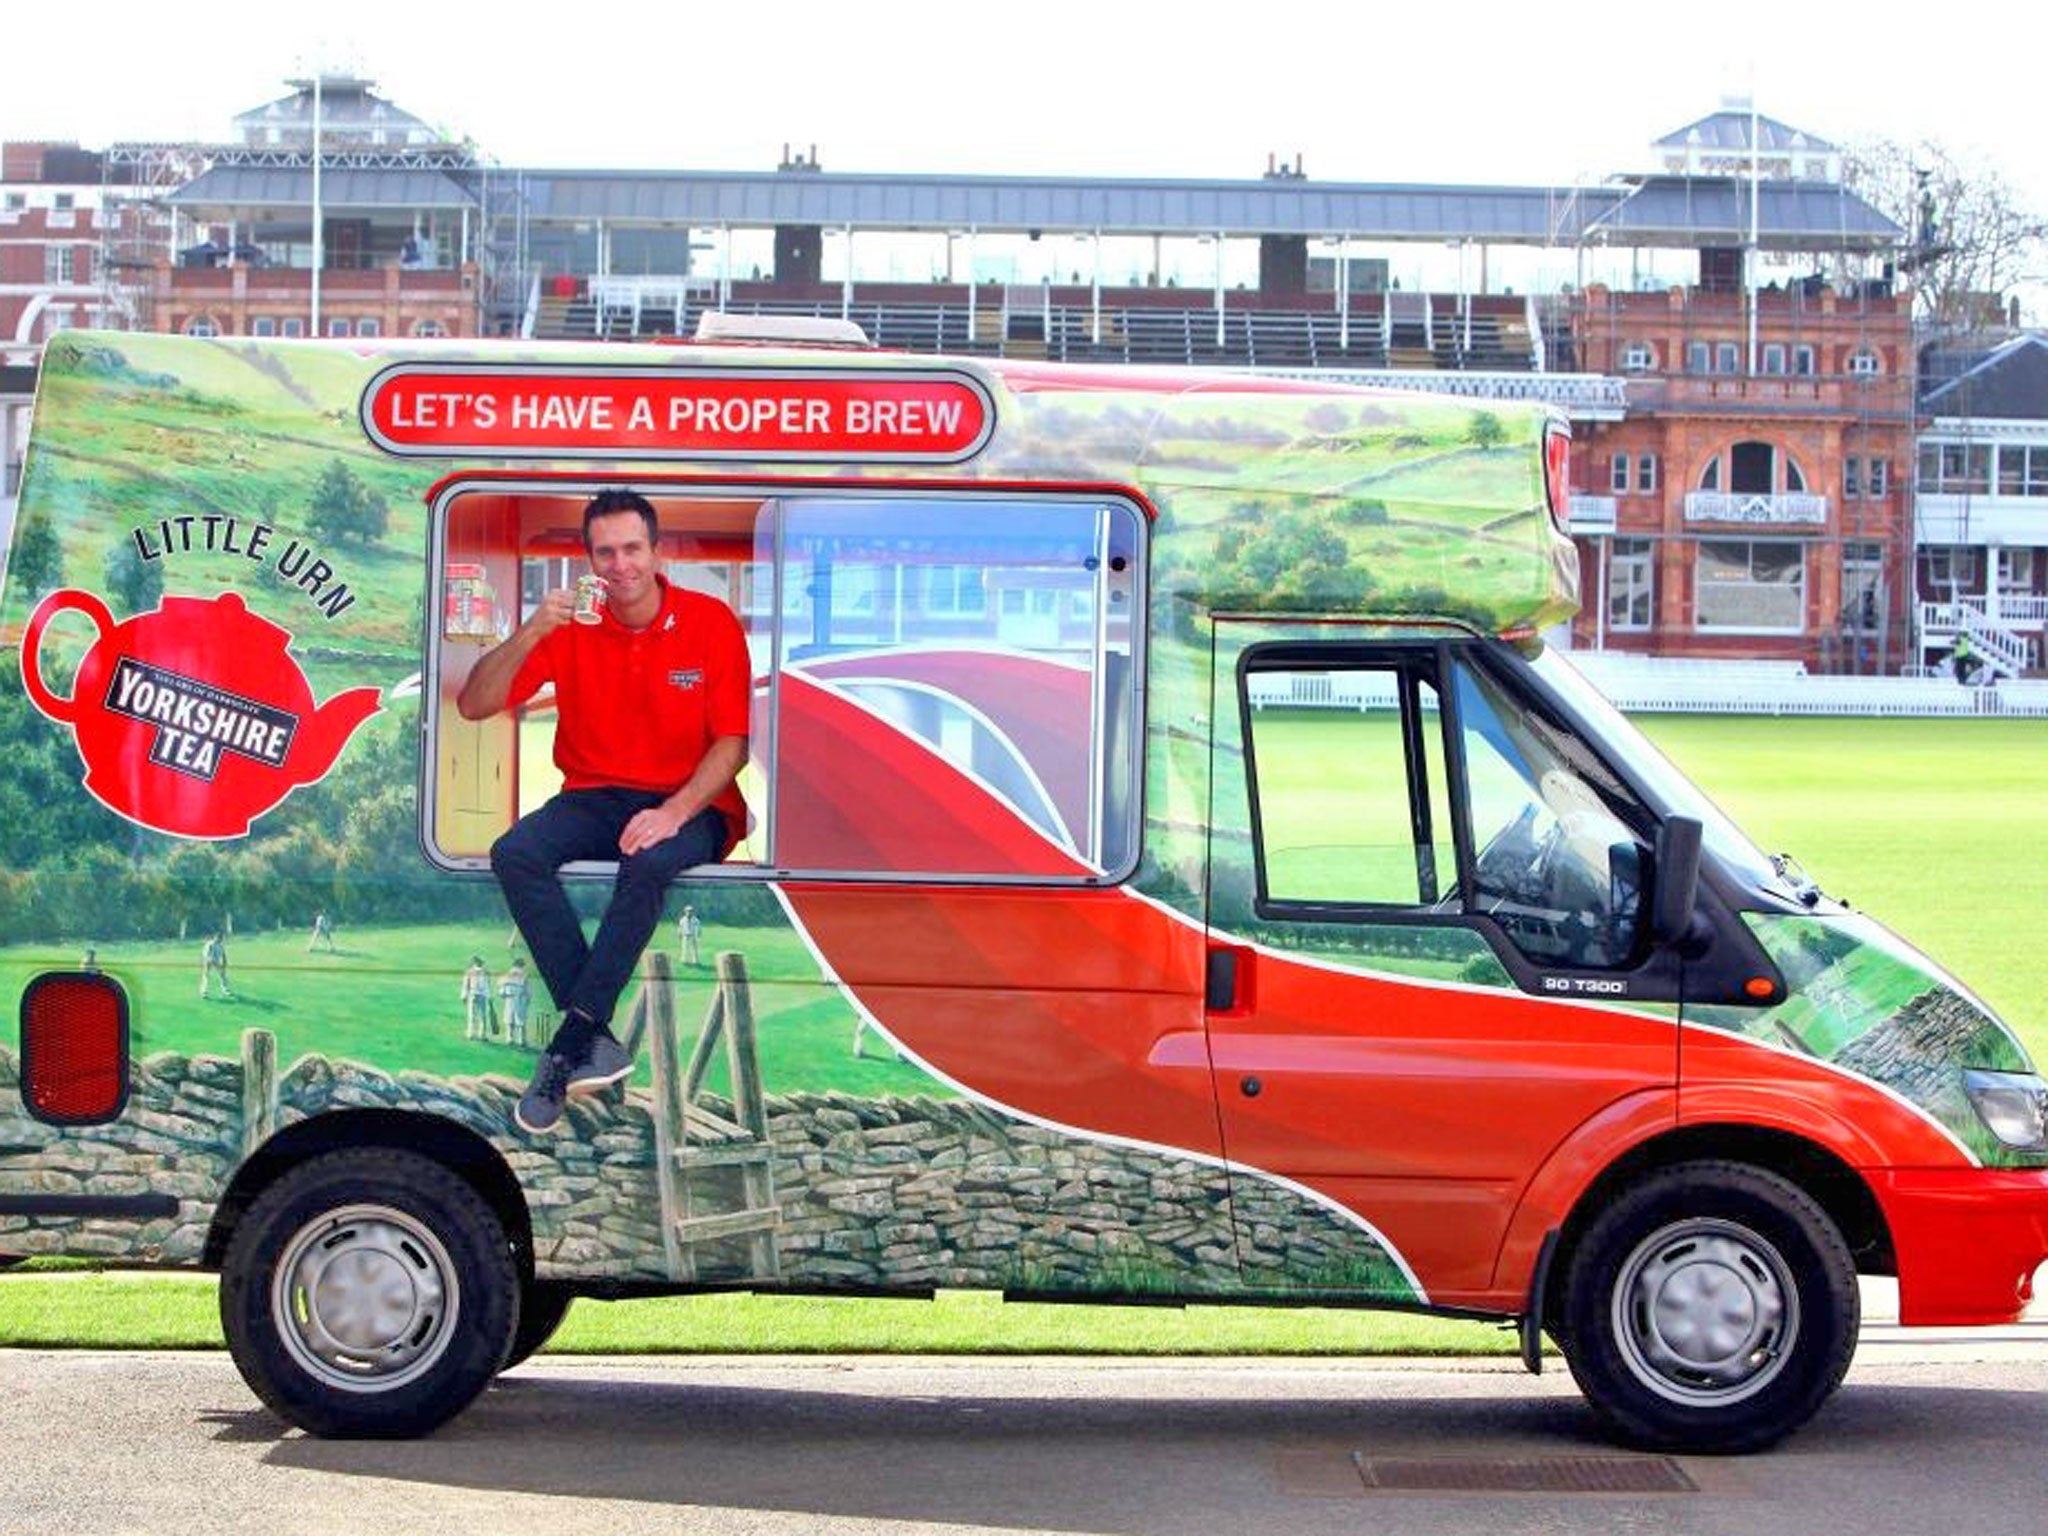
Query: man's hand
x=656 y=824
x=555 y=609
x=489 y=687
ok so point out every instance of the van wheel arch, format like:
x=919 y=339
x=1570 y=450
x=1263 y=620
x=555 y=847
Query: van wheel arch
x=461 y=1150
x=1839 y=1190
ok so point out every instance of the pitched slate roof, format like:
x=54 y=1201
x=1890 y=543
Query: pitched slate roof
x=1728 y=130
x=251 y=186
x=2008 y=381
x=1790 y=214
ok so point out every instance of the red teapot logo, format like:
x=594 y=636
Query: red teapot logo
x=193 y=718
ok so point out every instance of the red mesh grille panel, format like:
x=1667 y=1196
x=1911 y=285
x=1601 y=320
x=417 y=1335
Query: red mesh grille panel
x=74 y=1048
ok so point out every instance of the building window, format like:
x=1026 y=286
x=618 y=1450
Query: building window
x=2022 y=471
x=1752 y=469
x=202 y=325
x=1852 y=476
x=1727 y=358
x=1617 y=475
x=1637 y=357
x=1955 y=469
x=429 y=328
x=954 y=591
x=16 y=202
x=1774 y=357
x=1710 y=474
x=64 y=202
x=2015 y=573
x=1750 y=586
x=337 y=325
x=1880 y=478
x=1697 y=357
x=59 y=264
x=369 y=325
x=1646 y=473
x=1631 y=578
x=1863 y=361
x=1802 y=361
x=262 y=325
x=292 y=325
x=1948 y=568
x=1863 y=586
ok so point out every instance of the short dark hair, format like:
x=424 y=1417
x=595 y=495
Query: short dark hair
x=618 y=499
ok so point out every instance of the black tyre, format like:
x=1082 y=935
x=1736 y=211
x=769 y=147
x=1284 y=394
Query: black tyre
x=541 y=1310
x=1711 y=1307
x=369 y=1293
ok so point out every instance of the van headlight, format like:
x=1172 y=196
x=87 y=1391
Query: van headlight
x=2013 y=1104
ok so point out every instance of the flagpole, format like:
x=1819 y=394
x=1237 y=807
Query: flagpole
x=319 y=242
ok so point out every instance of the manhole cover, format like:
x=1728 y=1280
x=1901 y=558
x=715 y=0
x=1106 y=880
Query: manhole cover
x=1523 y=1474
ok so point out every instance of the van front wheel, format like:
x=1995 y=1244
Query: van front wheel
x=1710 y=1307
x=369 y=1293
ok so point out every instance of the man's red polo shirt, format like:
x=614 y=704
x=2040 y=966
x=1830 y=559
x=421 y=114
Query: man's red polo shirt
x=638 y=708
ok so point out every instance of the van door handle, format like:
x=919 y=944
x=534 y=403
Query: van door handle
x=1222 y=982
x=1228 y=983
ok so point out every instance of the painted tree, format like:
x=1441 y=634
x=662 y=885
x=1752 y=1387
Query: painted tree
x=135 y=584
x=343 y=507
x=38 y=558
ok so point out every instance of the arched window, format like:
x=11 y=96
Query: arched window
x=1864 y=361
x=1761 y=469
x=429 y=328
x=202 y=325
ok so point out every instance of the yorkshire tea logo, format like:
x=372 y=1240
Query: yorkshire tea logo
x=196 y=722
x=193 y=718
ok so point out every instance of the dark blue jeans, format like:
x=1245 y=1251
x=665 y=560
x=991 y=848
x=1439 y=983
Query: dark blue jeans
x=585 y=824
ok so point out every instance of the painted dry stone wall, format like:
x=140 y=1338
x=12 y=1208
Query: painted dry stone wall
x=906 y=1192
x=180 y=1136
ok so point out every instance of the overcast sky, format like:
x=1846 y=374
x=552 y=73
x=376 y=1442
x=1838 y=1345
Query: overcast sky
x=1467 y=92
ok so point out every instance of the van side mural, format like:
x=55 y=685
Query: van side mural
x=1863 y=1003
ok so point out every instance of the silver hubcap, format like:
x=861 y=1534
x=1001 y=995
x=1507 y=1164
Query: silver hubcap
x=365 y=1298
x=1706 y=1312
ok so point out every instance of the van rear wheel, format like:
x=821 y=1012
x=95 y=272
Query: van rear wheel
x=1711 y=1307
x=369 y=1293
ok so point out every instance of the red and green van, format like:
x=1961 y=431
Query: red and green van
x=1177 y=871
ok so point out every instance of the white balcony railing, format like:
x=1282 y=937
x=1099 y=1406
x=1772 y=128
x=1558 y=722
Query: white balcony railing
x=1795 y=508
x=2010 y=610
x=1590 y=395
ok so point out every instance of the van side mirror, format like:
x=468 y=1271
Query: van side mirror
x=1677 y=878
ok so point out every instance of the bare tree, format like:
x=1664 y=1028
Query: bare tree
x=1971 y=239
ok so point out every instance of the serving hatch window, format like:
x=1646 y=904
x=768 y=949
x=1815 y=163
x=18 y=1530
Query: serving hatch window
x=944 y=685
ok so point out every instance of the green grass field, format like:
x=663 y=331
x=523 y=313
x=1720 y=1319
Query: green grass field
x=1937 y=828
x=42 y=1309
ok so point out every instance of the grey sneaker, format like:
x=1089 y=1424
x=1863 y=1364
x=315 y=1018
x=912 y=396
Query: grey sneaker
x=606 y=1064
x=541 y=1107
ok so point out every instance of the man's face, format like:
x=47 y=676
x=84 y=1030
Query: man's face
x=620 y=553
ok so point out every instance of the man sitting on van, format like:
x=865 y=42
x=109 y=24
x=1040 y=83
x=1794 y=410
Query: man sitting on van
x=652 y=691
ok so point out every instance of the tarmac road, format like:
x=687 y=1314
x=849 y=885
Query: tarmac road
x=1932 y=1433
